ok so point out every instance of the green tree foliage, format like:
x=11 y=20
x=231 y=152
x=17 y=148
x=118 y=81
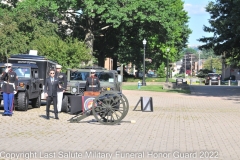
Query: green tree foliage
x=68 y=53
x=161 y=71
x=207 y=53
x=117 y=28
x=110 y=28
x=224 y=24
x=30 y=26
x=213 y=63
x=12 y=39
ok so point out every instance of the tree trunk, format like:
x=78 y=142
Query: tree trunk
x=115 y=60
x=89 y=40
x=101 y=60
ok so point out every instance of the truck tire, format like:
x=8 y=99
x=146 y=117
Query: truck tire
x=65 y=105
x=23 y=101
x=36 y=102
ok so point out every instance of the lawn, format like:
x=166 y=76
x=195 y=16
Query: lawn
x=147 y=79
x=154 y=88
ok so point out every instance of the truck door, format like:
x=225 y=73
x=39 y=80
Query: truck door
x=33 y=82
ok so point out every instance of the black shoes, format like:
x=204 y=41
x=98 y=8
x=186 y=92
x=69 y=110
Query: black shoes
x=7 y=115
x=57 y=118
x=47 y=118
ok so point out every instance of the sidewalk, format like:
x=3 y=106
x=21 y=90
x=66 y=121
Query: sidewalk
x=180 y=127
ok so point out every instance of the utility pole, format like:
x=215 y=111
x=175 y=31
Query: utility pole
x=199 y=60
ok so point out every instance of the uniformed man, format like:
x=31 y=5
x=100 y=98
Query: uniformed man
x=62 y=78
x=92 y=83
x=9 y=88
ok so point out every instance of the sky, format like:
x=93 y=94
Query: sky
x=198 y=18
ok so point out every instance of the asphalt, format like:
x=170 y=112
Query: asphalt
x=181 y=126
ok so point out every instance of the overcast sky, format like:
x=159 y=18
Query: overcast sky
x=198 y=18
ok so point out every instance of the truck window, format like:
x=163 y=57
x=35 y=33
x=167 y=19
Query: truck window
x=22 y=72
x=78 y=75
x=105 y=77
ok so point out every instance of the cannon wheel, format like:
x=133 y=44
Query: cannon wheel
x=110 y=108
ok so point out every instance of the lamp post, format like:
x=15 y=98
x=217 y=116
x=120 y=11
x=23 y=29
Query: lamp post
x=168 y=49
x=143 y=79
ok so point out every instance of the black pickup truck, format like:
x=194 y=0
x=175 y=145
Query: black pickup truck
x=30 y=86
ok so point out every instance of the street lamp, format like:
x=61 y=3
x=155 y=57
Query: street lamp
x=143 y=79
x=168 y=49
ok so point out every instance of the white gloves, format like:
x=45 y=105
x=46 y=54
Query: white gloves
x=14 y=92
x=6 y=70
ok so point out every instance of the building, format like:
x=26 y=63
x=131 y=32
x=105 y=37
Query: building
x=108 y=64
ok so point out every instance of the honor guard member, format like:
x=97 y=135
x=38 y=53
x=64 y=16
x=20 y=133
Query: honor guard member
x=9 y=88
x=62 y=78
x=92 y=83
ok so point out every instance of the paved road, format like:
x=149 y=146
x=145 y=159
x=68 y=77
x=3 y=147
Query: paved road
x=224 y=92
x=198 y=126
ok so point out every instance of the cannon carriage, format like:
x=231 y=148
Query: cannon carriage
x=108 y=108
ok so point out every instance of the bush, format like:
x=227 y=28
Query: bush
x=179 y=75
x=161 y=71
x=203 y=73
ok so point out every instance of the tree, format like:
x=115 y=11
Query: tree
x=27 y=27
x=116 y=28
x=110 y=28
x=12 y=40
x=213 y=64
x=69 y=53
x=224 y=25
x=161 y=71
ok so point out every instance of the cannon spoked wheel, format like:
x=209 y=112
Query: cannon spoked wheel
x=110 y=108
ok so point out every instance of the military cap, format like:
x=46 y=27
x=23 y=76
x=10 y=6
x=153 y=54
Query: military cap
x=58 y=66
x=92 y=71
x=8 y=64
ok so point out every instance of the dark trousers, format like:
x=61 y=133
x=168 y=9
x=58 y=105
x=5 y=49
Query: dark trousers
x=51 y=99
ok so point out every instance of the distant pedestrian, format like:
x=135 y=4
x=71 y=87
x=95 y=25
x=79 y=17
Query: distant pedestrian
x=9 y=88
x=62 y=78
x=50 y=90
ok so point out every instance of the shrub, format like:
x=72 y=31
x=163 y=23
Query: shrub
x=161 y=71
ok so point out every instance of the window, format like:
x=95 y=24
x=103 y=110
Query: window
x=79 y=75
x=22 y=72
x=107 y=77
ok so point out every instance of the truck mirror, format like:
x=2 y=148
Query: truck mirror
x=119 y=78
x=36 y=74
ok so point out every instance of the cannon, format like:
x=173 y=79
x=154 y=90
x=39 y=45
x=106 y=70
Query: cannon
x=108 y=108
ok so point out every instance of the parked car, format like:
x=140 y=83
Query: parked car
x=152 y=75
x=214 y=77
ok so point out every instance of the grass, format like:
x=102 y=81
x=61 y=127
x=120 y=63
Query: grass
x=154 y=88
x=147 y=79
